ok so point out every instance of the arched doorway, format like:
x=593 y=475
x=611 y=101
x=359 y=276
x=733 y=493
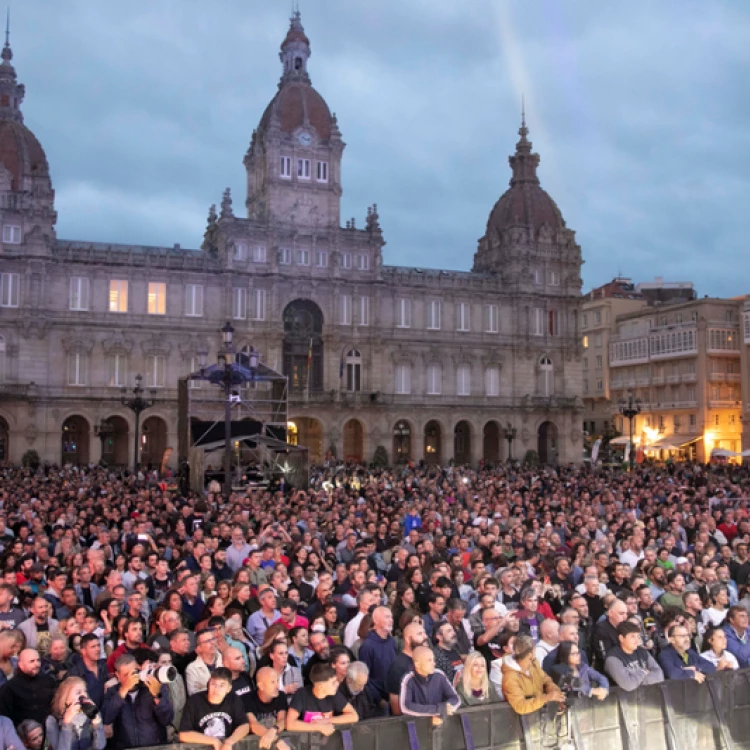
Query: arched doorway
x=462 y=443
x=547 y=443
x=401 y=442
x=491 y=444
x=303 y=346
x=75 y=440
x=153 y=442
x=432 y=443
x=354 y=441
x=310 y=435
x=117 y=442
x=4 y=441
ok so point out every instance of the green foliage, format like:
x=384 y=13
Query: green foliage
x=381 y=456
x=531 y=458
x=31 y=459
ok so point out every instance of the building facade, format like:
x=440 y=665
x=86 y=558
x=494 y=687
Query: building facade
x=745 y=368
x=429 y=364
x=682 y=361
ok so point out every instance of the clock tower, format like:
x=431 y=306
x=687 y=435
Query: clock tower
x=294 y=160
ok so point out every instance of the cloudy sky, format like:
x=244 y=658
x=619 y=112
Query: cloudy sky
x=639 y=111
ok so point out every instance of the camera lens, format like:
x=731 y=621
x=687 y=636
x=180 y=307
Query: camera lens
x=89 y=709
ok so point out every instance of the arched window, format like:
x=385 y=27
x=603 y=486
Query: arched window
x=546 y=377
x=2 y=359
x=353 y=370
x=434 y=380
x=463 y=380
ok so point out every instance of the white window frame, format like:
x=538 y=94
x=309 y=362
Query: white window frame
x=240 y=250
x=321 y=258
x=303 y=169
x=403 y=312
x=12 y=234
x=493 y=319
x=363 y=262
x=492 y=381
x=322 y=171
x=463 y=380
x=285 y=256
x=364 y=311
x=118 y=295
x=78 y=369
x=353 y=371
x=194 y=295
x=537 y=321
x=463 y=317
x=156 y=371
x=434 y=379
x=303 y=257
x=118 y=370
x=346 y=260
x=259 y=304
x=403 y=379
x=434 y=315
x=259 y=254
x=156 y=299
x=547 y=375
x=195 y=365
x=345 y=310
x=78 y=299
x=285 y=168
x=239 y=303
x=2 y=359
x=554 y=278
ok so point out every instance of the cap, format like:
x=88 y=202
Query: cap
x=682 y=560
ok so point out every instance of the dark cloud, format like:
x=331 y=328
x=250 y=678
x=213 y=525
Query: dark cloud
x=638 y=110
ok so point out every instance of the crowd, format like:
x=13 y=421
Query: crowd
x=133 y=615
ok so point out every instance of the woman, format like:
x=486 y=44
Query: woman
x=275 y=633
x=575 y=677
x=241 y=601
x=319 y=625
x=340 y=661
x=334 y=627
x=715 y=615
x=224 y=591
x=121 y=563
x=12 y=642
x=405 y=598
x=474 y=687
x=717 y=653
x=409 y=616
x=208 y=586
x=68 y=727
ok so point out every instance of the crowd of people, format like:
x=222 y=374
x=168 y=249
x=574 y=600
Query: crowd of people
x=133 y=615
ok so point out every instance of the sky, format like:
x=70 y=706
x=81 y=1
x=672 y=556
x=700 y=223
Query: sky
x=639 y=112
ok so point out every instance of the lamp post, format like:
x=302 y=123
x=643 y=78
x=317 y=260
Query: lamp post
x=137 y=403
x=104 y=429
x=630 y=409
x=225 y=366
x=510 y=436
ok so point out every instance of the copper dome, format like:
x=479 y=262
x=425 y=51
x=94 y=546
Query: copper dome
x=296 y=104
x=21 y=153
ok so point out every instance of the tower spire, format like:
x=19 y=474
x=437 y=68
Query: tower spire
x=523 y=162
x=7 y=28
x=295 y=50
x=11 y=92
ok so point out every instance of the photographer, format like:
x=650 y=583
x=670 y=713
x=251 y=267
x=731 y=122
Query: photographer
x=139 y=710
x=75 y=723
x=574 y=676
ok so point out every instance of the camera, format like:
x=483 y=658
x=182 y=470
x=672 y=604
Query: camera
x=88 y=708
x=570 y=683
x=164 y=675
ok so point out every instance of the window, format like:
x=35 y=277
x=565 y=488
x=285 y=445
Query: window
x=434 y=313
x=259 y=254
x=363 y=262
x=546 y=377
x=364 y=311
x=597 y=339
x=585 y=320
x=403 y=313
x=492 y=381
x=463 y=316
x=303 y=257
x=240 y=250
x=118 y=375
x=537 y=322
x=585 y=362
x=434 y=380
x=321 y=259
x=11 y=234
x=194 y=300
x=537 y=276
x=692 y=420
x=599 y=360
x=492 y=319
x=554 y=278
x=598 y=316
x=353 y=371
x=155 y=366
x=346 y=260
x=157 y=298
x=303 y=169
x=118 y=296
x=239 y=303
x=79 y=293
x=322 y=174
x=585 y=342
x=403 y=379
x=285 y=256
x=553 y=323
x=599 y=385
x=732 y=418
x=2 y=359
x=345 y=310
x=195 y=365
x=286 y=167
x=729 y=315
x=259 y=304
x=78 y=368
x=463 y=380
x=717 y=420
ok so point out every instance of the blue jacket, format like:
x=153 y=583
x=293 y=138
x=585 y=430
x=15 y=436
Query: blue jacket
x=740 y=649
x=139 y=722
x=424 y=696
x=8 y=736
x=588 y=678
x=674 y=667
x=94 y=682
x=378 y=654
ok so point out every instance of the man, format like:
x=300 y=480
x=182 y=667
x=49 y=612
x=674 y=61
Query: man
x=198 y=673
x=289 y=617
x=180 y=650
x=447 y=658
x=114 y=579
x=354 y=690
x=91 y=668
x=319 y=707
x=56 y=581
x=260 y=621
x=738 y=638
x=549 y=631
x=680 y=662
x=168 y=622
x=266 y=710
x=39 y=628
x=629 y=665
x=378 y=651
x=525 y=686
x=675 y=588
x=28 y=694
x=10 y=615
x=133 y=639
x=134 y=573
x=435 y=609
x=592 y=597
x=365 y=599
x=214 y=717
x=486 y=642
x=134 y=609
x=456 y=615
x=606 y=636
x=568 y=634
x=139 y=711
x=299 y=653
x=86 y=592
x=321 y=653
x=426 y=691
x=414 y=636
x=192 y=604
x=258 y=576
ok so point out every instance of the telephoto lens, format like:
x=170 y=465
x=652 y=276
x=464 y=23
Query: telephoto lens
x=164 y=675
x=88 y=707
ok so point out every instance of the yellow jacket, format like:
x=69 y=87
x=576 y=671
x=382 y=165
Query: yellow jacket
x=524 y=690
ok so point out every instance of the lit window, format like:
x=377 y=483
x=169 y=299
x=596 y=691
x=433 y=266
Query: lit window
x=157 y=298
x=118 y=296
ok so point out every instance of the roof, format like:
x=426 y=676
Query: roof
x=21 y=153
x=296 y=104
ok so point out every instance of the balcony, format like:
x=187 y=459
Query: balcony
x=689 y=377
x=658 y=380
x=733 y=377
x=724 y=404
x=717 y=377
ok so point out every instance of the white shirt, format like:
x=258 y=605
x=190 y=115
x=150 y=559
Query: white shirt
x=715 y=617
x=350 y=631
x=630 y=558
x=730 y=658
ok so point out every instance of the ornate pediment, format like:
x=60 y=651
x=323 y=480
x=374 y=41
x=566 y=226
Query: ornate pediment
x=78 y=343
x=117 y=343
x=156 y=345
x=35 y=325
x=192 y=345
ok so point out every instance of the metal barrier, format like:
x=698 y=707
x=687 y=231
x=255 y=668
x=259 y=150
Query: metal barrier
x=676 y=715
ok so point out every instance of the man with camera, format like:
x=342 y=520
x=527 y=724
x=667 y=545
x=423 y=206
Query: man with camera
x=91 y=668
x=138 y=707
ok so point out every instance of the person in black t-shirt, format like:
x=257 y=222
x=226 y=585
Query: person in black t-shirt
x=320 y=707
x=266 y=709
x=216 y=716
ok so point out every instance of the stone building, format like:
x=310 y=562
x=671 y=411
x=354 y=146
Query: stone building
x=430 y=364
x=745 y=368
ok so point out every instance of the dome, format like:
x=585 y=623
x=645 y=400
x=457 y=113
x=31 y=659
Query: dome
x=21 y=153
x=296 y=104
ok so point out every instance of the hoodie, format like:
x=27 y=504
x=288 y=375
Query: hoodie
x=378 y=654
x=525 y=691
x=425 y=696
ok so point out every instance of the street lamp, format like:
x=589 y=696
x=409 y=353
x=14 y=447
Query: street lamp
x=137 y=403
x=630 y=409
x=225 y=363
x=104 y=429
x=510 y=436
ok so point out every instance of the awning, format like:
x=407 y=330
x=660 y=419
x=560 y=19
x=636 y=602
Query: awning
x=624 y=440
x=674 y=442
x=723 y=453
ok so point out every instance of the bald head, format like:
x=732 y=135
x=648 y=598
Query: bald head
x=29 y=662
x=617 y=612
x=550 y=631
x=267 y=680
x=414 y=636
x=233 y=660
x=424 y=661
x=382 y=620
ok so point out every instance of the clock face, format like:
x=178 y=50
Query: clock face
x=305 y=139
